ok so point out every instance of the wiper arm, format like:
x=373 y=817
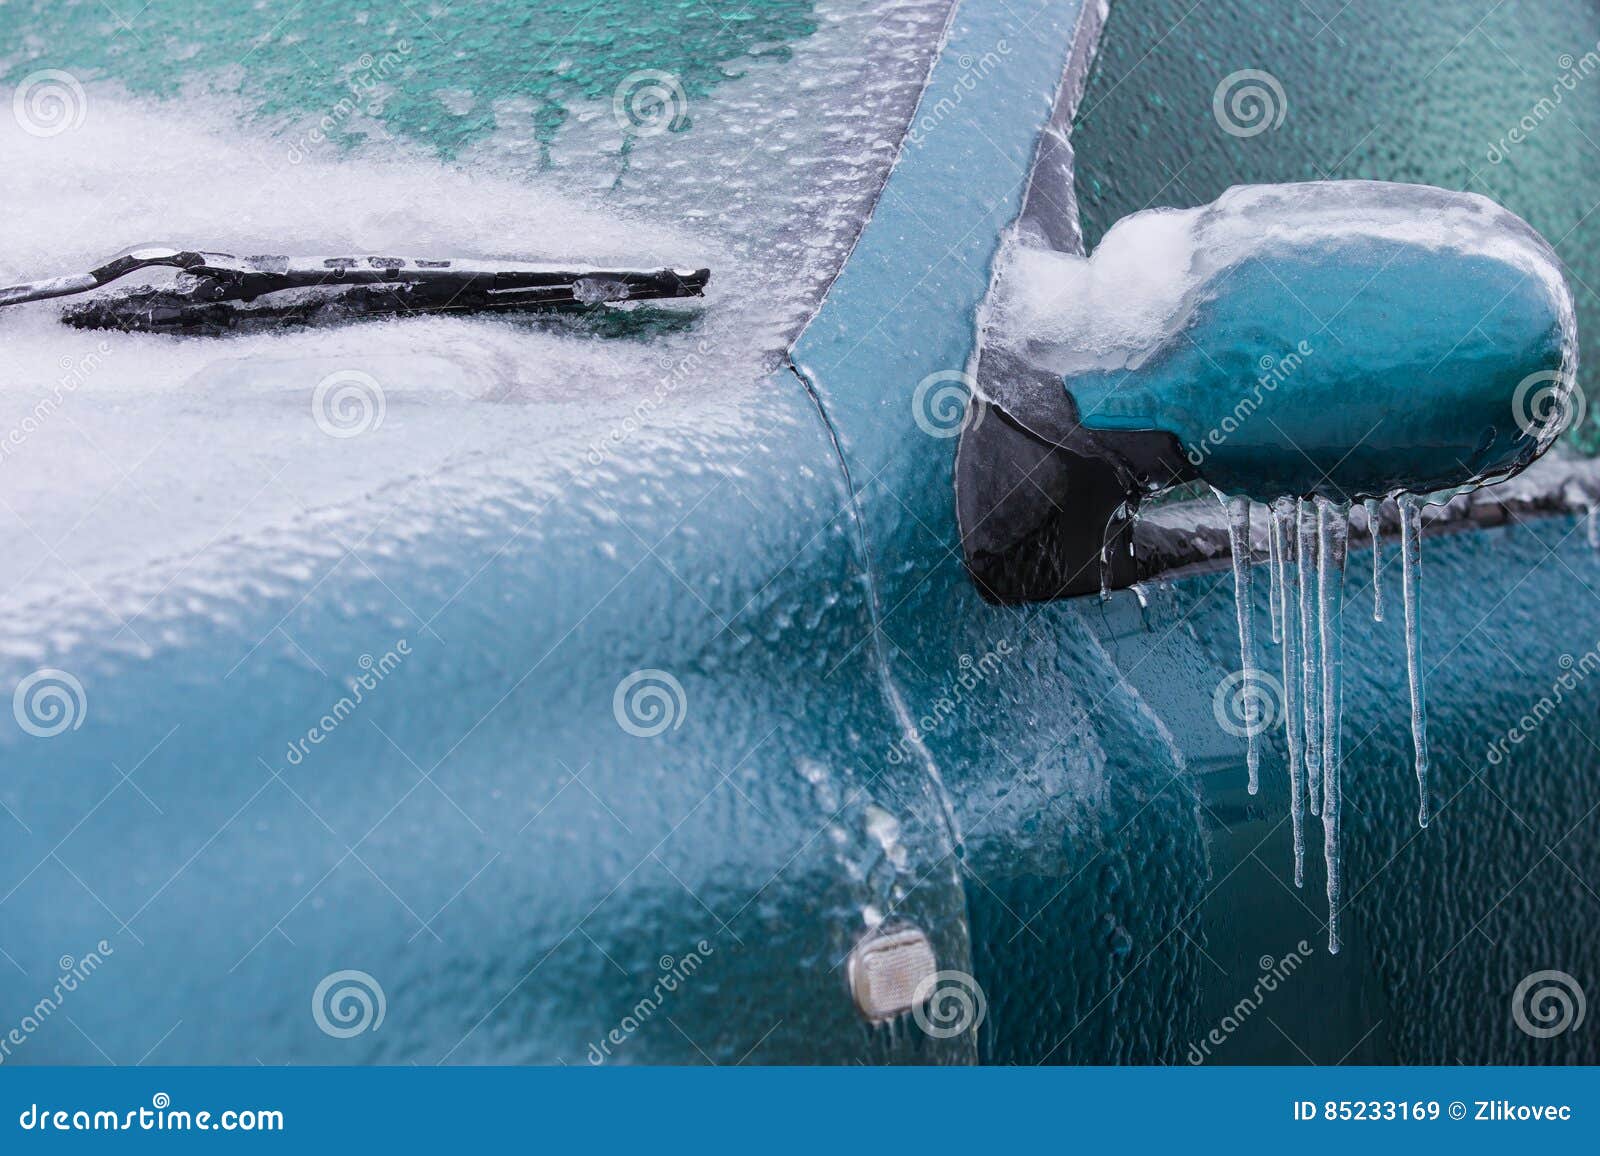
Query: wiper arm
x=213 y=284
x=110 y=271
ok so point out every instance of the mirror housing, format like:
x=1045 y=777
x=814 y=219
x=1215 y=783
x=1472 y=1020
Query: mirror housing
x=1344 y=339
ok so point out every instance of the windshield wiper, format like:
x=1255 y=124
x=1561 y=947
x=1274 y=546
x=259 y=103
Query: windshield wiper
x=217 y=291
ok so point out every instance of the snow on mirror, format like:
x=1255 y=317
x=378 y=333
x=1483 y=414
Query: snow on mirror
x=1308 y=348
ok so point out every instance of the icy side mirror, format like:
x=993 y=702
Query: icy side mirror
x=1340 y=339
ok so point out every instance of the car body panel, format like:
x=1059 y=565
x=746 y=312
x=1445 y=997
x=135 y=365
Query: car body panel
x=860 y=738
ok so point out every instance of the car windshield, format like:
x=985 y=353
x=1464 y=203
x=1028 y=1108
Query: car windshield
x=748 y=135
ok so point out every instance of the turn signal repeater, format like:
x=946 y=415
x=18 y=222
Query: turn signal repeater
x=886 y=969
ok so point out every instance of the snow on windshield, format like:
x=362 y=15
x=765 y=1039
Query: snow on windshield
x=766 y=179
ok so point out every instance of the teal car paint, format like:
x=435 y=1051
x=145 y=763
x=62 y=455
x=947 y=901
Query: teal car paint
x=1381 y=361
x=600 y=735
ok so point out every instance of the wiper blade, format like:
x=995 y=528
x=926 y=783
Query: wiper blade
x=213 y=288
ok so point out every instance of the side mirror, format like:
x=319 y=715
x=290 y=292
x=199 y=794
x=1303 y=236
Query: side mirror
x=1340 y=339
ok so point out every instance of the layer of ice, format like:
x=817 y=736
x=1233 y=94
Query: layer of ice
x=156 y=448
x=1191 y=321
x=1276 y=336
x=1312 y=536
x=1112 y=309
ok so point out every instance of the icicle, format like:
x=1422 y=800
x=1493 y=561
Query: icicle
x=1283 y=538
x=1374 y=520
x=1244 y=606
x=1411 y=580
x=1113 y=528
x=1306 y=577
x=1592 y=525
x=1333 y=529
x=1274 y=574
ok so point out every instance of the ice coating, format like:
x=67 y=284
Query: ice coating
x=1390 y=337
x=1117 y=306
x=1283 y=537
x=130 y=175
x=1374 y=531
x=1275 y=593
x=1314 y=534
x=204 y=425
x=1104 y=310
x=1411 y=563
x=1332 y=527
x=1298 y=302
x=1238 y=510
x=1306 y=584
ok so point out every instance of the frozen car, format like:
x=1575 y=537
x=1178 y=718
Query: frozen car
x=758 y=678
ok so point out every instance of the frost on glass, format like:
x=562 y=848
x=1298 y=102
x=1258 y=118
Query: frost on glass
x=768 y=182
